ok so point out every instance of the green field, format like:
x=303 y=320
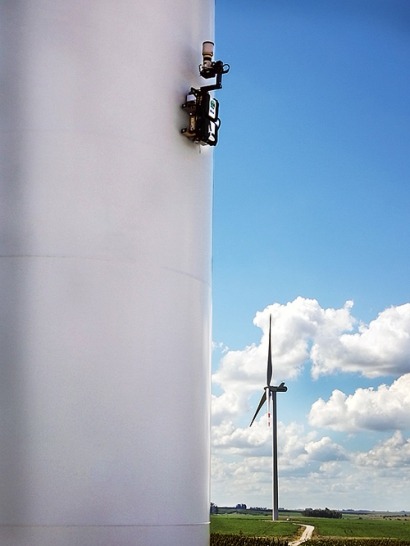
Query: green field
x=366 y=526
x=255 y=526
x=289 y=526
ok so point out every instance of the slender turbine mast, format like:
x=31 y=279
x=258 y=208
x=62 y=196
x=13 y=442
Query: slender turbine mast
x=269 y=394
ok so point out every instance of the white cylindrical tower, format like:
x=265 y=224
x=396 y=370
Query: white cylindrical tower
x=105 y=232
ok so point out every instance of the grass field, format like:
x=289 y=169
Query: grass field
x=254 y=526
x=289 y=526
x=372 y=527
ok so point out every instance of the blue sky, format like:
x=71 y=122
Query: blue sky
x=311 y=224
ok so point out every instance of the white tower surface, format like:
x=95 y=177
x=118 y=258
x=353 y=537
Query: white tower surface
x=105 y=236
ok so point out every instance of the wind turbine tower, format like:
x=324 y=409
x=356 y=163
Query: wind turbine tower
x=105 y=271
x=269 y=395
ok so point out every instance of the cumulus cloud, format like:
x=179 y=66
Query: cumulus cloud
x=384 y=408
x=392 y=453
x=381 y=348
x=314 y=471
x=225 y=406
x=246 y=441
x=294 y=326
x=242 y=458
x=330 y=340
x=297 y=448
x=325 y=450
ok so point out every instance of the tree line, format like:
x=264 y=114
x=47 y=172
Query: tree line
x=321 y=513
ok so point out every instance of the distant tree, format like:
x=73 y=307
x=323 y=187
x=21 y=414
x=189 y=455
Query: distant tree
x=320 y=513
x=214 y=509
x=241 y=507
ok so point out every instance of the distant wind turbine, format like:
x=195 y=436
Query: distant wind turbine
x=269 y=394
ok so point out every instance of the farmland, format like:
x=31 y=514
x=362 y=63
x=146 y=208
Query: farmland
x=251 y=526
x=372 y=530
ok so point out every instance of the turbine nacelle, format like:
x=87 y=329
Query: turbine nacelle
x=279 y=388
x=268 y=389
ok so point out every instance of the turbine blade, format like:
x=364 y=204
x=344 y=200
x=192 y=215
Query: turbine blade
x=259 y=407
x=269 y=370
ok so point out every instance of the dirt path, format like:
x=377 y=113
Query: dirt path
x=306 y=535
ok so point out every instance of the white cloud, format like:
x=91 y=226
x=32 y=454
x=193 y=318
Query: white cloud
x=392 y=453
x=325 y=450
x=296 y=447
x=294 y=326
x=302 y=331
x=314 y=470
x=242 y=460
x=292 y=452
x=384 y=408
x=381 y=348
x=225 y=406
x=247 y=441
